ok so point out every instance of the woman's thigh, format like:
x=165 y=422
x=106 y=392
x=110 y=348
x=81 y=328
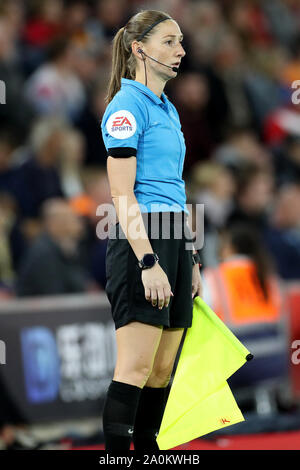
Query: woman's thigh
x=165 y=357
x=137 y=344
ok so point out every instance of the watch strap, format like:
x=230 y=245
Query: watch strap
x=196 y=258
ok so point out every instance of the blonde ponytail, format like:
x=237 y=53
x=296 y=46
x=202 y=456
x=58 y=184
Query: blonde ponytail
x=119 y=65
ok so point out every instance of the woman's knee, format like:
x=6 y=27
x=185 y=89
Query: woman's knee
x=135 y=374
x=137 y=345
x=135 y=368
x=160 y=377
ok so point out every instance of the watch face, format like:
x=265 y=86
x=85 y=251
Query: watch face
x=149 y=260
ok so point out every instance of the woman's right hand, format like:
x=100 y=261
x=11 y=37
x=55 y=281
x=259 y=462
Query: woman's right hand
x=157 y=286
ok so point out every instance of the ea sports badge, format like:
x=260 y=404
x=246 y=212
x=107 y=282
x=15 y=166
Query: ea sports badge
x=121 y=124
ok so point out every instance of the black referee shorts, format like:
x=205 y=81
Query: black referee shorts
x=124 y=287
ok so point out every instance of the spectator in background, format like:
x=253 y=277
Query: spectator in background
x=14 y=13
x=14 y=111
x=243 y=288
x=14 y=232
x=7 y=146
x=206 y=22
x=76 y=16
x=241 y=146
x=87 y=49
x=87 y=66
x=70 y=162
x=282 y=237
x=7 y=221
x=254 y=196
x=282 y=17
x=213 y=186
x=97 y=192
x=250 y=21
x=37 y=179
x=108 y=17
x=54 y=88
x=231 y=64
x=281 y=122
x=191 y=95
x=44 y=24
x=291 y=71
x=286 y=160
x=245 y=293
x=89 y=124
x=52 y=264
x=284 y=120
x=263 y=84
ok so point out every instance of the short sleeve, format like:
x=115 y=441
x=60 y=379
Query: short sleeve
x=122 y=125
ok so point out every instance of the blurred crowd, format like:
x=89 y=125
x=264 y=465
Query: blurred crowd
x=242 y=131
x=234 y=97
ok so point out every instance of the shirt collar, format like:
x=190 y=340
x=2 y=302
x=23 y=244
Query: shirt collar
x=144 y=89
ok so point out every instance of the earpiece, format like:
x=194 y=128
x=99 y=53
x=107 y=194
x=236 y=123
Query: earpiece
x=140 y=51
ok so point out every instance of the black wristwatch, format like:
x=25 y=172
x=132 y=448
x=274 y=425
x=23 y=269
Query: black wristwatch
x=196 y=258
x=148 y=260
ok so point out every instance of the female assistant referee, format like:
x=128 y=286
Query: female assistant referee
x=152 y=277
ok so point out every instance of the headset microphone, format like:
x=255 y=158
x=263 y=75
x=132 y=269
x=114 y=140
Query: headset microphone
x=175 y=69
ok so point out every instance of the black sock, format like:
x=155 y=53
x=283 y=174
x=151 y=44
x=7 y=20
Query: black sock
x=119 y=414
x=148 y=418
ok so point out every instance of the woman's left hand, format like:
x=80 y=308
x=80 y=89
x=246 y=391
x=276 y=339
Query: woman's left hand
x=196 y=281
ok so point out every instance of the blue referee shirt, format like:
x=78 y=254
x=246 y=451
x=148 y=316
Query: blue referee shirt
x=138 y=123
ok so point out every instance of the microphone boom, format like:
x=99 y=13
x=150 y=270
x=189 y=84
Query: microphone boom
x=175 y=69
